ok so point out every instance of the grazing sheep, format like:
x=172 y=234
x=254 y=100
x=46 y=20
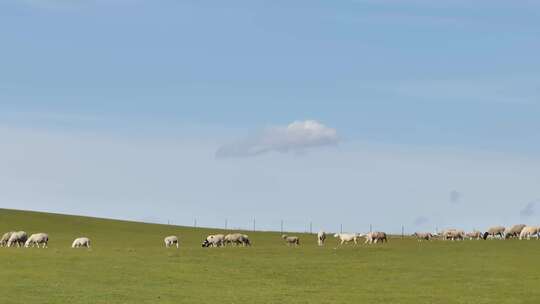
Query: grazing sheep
x=18 y=238
x=291 y=240
x=171 y=241
x=321 y=237
x=232 y=239
x=375 y=237
x=514 y=231
x=380 y=237
x=5 y=238
x=237 y=239
x=368 y=237
x=347 y=238
x=245 y=240
x=474 y=235
x=497 y=231
x=453 y=234
x=529 y=231
x=216 y=240
x=420 y=236
x=81 y=242
x=37 y=239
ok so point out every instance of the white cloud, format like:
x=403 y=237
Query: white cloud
x=529 y=209
x=455 y=196
x=421 y=220
x=296 y=137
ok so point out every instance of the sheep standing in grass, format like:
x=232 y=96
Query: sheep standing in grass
x=5 y=238
x=245 y=240
x=216 y=240
x=237 y=239
x=514 y=231
x=171 y=241
x=380 y=237
x=291 y=240
x=376 y=237
x=423 y=236
x=321 y=237
x=497 y=231
x=346 y=238
x=37 y=239
x=529 y=231
x=444 y=234
x=232 y=239
x=453 y=234
x=18 y=238
x=474 y=235
x=81 y=242
x=369 y=237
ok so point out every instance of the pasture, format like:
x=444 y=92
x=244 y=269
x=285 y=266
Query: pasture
x=129 y=264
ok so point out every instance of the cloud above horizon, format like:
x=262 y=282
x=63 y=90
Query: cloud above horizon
x=529 y=209
x=296 y=137
x=455 y=196
x=421 y=220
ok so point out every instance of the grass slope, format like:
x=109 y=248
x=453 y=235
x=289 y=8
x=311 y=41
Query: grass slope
x=128 y=264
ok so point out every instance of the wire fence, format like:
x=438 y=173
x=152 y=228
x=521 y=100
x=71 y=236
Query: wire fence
x=292 y=226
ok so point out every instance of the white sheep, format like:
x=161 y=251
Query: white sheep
x=420 y=236
x=514 y=231
x=493 y=232
x=5 y=238
x=321 y=237
x=216 y=240
x=37 y=239
x=291 y=240
x=81 y=242
x=375 y=237
x=171 y=241
x=237 y=239
x=529 y=231
x=18 y=238
x=347 y=238
x=245 y=240
x=474 y=235
x=453 y=234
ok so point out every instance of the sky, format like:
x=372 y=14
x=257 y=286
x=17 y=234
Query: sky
x=422 y=114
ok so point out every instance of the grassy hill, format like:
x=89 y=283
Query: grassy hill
x=128 y=264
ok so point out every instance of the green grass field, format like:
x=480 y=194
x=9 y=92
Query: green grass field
x=129 y=264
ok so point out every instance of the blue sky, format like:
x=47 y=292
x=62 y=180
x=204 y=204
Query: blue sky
x=427 y=99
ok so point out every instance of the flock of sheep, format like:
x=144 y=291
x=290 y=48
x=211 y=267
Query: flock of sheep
x=520 y=231
x=219 y=240
x=344 y=238
x=21 y=239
